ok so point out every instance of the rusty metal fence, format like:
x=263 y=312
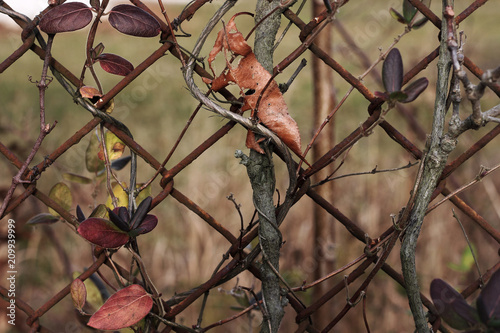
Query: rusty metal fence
x=377 y=245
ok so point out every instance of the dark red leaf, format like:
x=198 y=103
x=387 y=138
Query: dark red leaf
x=488 y=302
x=102 y=232
x=69 y=16
x=123 y=309
x=392 y=71
x=414 y=89
x=451 y=306
x=148 y=224
x=133 y=21
x=115 y=64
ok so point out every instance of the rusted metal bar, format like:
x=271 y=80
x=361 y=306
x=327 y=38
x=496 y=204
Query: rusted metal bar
x=469 y=10
x=17 y=53
x=66 y=290
x=192 y=206
x=478 y=219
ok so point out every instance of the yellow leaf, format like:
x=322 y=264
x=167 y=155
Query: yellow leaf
x=61 y=194
x=92 y=161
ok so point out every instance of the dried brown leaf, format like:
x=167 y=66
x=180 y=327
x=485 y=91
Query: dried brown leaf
x=249 y=75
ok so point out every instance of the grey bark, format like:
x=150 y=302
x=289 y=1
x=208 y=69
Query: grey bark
x=260 y=171
x=439 y=147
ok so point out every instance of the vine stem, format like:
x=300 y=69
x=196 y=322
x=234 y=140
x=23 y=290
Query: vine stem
x=434 y=161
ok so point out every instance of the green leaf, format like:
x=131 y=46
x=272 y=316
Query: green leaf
x=100 y=211
x=419 y=19
x=409 y=11
x=61 y=194
x=466 y=261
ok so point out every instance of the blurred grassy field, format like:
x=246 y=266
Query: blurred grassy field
x=183 y=251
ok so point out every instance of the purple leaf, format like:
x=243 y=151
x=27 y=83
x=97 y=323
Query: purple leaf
x=392 y=71
x=133 y=21
x=102 y=232
x=120 y=163
x=115 y=64
x=95 y=4
x=122 y=212
x=141 y=212
x=79 y=214
x=488 y=302
x=119 y=217
x=69 y=16
x=148 y=224
x=414 y=89
x=451 y=306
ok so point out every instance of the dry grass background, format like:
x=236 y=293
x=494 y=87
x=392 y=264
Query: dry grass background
x=183 y=251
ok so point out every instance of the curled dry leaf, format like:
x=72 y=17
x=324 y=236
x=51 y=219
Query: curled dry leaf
x=255 y=83
x=89 y=92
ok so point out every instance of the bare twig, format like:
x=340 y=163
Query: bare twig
x=470 y=247
x=372 y=172
x=45 y=129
